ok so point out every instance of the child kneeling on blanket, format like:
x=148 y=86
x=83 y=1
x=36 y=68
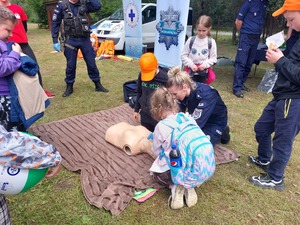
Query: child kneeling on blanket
x=178 y=130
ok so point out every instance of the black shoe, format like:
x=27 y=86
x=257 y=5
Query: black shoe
x=225 y=138
x=238 y=94
x=100 y=88
x=265 y=182
x=69 y=90
x=254 y=160
x=244 y=88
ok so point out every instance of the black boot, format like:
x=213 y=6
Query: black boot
x=225 y=138
x=99 y=87
x=69 y=90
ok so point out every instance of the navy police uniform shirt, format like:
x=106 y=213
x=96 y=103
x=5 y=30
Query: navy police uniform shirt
x=206 y=106
x=252 y=13
x=58 y=15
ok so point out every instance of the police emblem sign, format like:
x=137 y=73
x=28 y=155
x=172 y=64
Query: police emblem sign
x=171 y=31
x=169 y=27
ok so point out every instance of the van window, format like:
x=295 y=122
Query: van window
x=149 y=14
x=117 y=15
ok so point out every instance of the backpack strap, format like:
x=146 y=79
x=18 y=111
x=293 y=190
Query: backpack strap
x=209 y=42
x=180 y=118
x=196 y=148
x=209 y=45
x=192 y=42
x=162 y=153
x=172 y=134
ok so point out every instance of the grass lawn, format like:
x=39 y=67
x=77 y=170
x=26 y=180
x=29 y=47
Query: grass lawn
x=228 y=198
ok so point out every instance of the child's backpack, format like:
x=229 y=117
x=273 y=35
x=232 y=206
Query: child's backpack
x=197 y=153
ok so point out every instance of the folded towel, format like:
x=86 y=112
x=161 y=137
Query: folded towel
x=143 y=195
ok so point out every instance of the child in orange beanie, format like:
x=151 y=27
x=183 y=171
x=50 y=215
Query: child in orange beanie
x=150 y=78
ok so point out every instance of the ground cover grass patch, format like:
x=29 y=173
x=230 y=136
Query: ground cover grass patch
x=228 y=198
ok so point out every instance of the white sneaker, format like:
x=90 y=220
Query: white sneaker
x=176 y=199
x=191 y=197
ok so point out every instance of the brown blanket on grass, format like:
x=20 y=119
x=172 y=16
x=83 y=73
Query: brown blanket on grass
x=108 y=175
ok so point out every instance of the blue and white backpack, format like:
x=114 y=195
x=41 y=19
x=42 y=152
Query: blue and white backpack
x=197 y=153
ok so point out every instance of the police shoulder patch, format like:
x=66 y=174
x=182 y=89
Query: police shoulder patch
x=197 y=113
x=54 y=17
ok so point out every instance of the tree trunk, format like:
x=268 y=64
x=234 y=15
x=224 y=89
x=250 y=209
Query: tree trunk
x=234 y=30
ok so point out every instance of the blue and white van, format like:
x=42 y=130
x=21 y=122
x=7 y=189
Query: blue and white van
x=112 y=28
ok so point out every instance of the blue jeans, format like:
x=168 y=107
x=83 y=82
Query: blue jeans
x=281 y=117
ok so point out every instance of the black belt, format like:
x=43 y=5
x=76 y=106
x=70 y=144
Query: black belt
x=71 y=47
x=79 y=36
x=253 y=35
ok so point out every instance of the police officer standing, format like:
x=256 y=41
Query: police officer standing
x=73 y=15
x=249 y=23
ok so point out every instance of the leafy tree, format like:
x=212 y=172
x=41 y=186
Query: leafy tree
x=108 y=7
x=35 y=10
x=223 y=12
x=273 y=24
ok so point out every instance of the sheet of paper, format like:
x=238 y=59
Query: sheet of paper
x=277 y=39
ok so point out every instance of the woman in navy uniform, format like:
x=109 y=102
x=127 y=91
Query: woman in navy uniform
x=249 y=23
x=203 y=102
x=73 y=14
